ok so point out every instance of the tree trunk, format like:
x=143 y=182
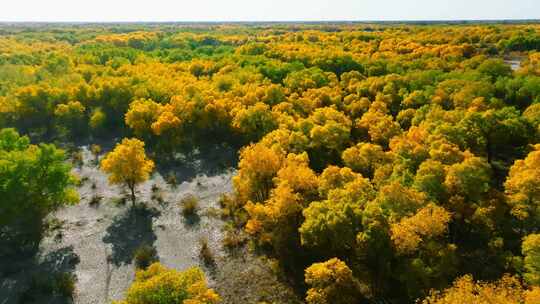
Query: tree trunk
x=132 y=188
x=489 y=151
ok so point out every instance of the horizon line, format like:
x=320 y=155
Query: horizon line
x=270 y=21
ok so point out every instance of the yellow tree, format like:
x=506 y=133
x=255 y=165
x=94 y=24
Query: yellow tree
x=257 y=168
x=365 y=158
x=522 y=187
x=507 y=290
x=141 y=115
x=159 y=284
x=128 y=165
x=276 y=220
x=429 y=222
x=332 y=282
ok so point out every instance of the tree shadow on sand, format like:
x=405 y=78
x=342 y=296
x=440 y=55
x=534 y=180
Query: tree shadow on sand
x=208 y=159
x=48 y=278
x=130 y=231
x=61 y=260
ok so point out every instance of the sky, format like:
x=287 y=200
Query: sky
x=265 y=10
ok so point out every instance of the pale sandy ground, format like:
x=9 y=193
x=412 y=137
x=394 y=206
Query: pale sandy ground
x=97 y=242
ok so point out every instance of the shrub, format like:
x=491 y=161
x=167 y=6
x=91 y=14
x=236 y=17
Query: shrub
x=233 y=209
x=84 y=179
x=37 y=287
x=171 y=180
x=119 y=200
x=157 y=194
x=144 y=256
x=233 y=239
x=41 y=285
x=158 y=197
x=206 y=253
x=54 y=224
x=95 y=200
x=64 y=285
x=213 y=212
x=96 y=150
x=77 y=158
x=189 y=205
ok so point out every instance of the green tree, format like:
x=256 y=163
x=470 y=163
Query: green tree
x=495 y=68
x=71 y=118
x=469 y=179
x=531 y=252
x=532 y=115
x=255 y=121
x=430 y=178
x=332 y=225
x=34 y=181
x=496 y=132
x=365 y=158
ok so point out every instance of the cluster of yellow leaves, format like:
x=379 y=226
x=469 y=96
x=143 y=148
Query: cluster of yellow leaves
x=11 y=45
x=202 y=68
x=257 y=168
x=71 y=109
x=265 y=218
x=134 y=39
x=297 y=174
x=5 y=106
x=380 y=126
x=165 y=121
x=411 y=145
x=295 y=181
x=286 y=140
x=97 y=119
x=508 y=290
x=142 y=114
x=531 y=66
x=327 y=128
x=398 y=201
x=257 y=120
x=331 y=282
x=334 y=177
x=365 y=158
x=446 y=153
x=127 y=163
x=429 y=222
x=158 y=284
x=523 y=186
